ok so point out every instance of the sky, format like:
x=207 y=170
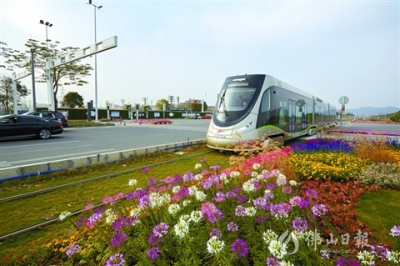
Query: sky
x=186 y=49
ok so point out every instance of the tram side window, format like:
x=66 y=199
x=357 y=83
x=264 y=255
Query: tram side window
x=283 y=113
x=309 y=114
x=265 y=102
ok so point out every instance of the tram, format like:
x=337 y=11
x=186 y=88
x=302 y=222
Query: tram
x=259 y=106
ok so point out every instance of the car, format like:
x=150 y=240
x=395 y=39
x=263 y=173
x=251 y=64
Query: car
x=28 y=126
x=206 y=117
x=50 y=115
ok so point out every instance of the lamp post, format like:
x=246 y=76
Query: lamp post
x=95 y=60
x=47 y=24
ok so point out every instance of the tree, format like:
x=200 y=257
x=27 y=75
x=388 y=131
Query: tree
x=7 y=93
x=72 y=99
x=160 y=104
x=64 y=75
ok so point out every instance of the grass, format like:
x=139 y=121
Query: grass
x=380 y=211
x=27 y=211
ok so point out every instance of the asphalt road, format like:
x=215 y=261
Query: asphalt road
x=77 y=142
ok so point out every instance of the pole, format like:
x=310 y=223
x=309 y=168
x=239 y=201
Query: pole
x=33 y=79
x=14 y=84
x=95 y=68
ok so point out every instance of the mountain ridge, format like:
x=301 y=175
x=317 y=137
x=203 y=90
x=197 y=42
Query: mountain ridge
x=371 y=111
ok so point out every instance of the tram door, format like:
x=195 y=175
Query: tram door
x=292 y=115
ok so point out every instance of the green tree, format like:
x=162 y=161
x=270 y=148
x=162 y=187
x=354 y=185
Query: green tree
x=160 y=103
x=7 y=93
x=64 y=75
x=72 y=99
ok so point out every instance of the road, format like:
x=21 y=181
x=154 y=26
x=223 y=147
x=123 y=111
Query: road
x=77 y=142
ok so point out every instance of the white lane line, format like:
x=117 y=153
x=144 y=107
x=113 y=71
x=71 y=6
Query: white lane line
x=56 y=148
x=62 y=156
x=41 y=144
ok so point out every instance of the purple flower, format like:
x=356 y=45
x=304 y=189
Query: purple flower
x=72 y=249
x=262 y=219
x=240 y=211
x=299 y=224
x=83 y=220
x=232 y=227
x=116 y=260
x=145 y=169
x=287 y=189
x=95 y=217
x=270 y=186
x=319 y=209
x=212 y=213
x=117 y=239
x=161 y=229
x=304 y=203
x=242 y=198
x=215 y=232
x=272 y=262
x=395 y=231
x=122 y=222
x=280 y=210
x=153 y=253
x=311 y=193
x=347 y=262
x=239 y=247
x=151 y=181
x=261 y=203
x=187 y=177
x=215 y=167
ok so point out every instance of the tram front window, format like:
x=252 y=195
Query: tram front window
x=238 y=99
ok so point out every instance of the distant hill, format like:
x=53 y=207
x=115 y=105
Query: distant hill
x=370 y=111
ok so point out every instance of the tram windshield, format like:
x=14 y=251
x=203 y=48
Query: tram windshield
x=235 y=99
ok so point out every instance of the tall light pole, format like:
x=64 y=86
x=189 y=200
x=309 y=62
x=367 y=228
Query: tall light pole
x=50 y=89
x=95 y=61
x=47 y=24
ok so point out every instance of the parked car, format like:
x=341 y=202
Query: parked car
x=28 y=126
x=206 y=117
x=51 y=115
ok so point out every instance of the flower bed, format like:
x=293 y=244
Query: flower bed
x=250 y=214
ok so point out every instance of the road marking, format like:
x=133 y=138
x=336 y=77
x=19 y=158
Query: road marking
x=60 y=156
x=56 y=148
x=41 y=144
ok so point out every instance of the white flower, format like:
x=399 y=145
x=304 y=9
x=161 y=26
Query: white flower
x=198 y=177
x=132 y=182
x=269 y=235
x=263 y=172
x=181 y=229
x=214 y=245
x=366 y=257
x=248 y=186
x=185 y=218
x=235 y=174
x=224 y=178
x=256 y=166
x=281 y=180
x=250 y=211
x=111 y=218
x=254 y=174
x=174 y=209
x=135 y=211
x=175 y=189
x=192 y=190
x=285 y=263
x=277 y=249
x=200 y=196
x=186 y=203
x=198 y=166
x=196 y=216
x=293 y=183
x=394 y=256
x=64 y=215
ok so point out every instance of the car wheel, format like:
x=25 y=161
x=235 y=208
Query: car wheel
x=44 y=133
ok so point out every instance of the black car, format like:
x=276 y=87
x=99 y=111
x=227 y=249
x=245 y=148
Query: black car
x=50 y=115
x=28 y=126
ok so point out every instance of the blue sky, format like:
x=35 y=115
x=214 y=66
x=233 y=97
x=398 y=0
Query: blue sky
x=187 y=48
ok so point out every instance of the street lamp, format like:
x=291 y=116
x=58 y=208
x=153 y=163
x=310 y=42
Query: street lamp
x=95 y=60
x=47 y=24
